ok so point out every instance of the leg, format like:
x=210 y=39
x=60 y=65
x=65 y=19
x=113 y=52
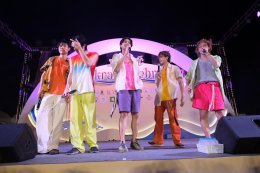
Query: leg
x=204 y=122
x=122 y=126
x=43 y=123
x=134 y=125
x=220 y=114
x=58 y=114
x=89 y=113
x=135 y=96
x=173 y=121
x=124 y=104
x=76 y=132
x=158 y=129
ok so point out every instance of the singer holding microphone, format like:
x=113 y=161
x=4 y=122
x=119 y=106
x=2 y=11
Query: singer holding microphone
x=205 y=84
x=128 y=86
x=168 y=81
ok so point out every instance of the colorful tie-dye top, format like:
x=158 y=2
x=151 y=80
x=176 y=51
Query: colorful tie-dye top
x=82 y=75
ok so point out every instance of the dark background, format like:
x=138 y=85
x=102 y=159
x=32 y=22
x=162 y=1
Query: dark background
x=43 y=23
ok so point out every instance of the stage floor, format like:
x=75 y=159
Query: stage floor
x=167 y=159
x=109 y=152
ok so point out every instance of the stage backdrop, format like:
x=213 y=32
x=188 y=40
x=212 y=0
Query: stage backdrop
x=105 y=94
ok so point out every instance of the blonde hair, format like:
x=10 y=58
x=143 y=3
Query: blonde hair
x=208 y=42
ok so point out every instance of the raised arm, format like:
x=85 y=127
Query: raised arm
x=214 y=60
x=88 y=61
x=116 y=63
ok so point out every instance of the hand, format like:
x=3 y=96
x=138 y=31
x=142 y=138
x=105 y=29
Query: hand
x=140 y=59
x=67 y=98
x=40 y=94
x=188 y=89
x=206 y=53
x=127 y=50
x=75 y=44
x=159 y=75
x=182 y=101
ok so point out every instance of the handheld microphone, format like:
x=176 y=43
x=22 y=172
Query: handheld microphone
x=159 y=68
x=68 y=93
x=39 y=103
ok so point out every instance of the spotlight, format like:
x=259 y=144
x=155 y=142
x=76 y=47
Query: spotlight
x=258 y=14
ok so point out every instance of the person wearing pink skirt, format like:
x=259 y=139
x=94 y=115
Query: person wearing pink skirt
x=205 y=84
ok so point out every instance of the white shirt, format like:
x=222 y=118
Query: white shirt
x=120 y=77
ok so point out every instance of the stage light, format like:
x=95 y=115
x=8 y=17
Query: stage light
x=258 y=14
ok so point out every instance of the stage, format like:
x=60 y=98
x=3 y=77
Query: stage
x=166 y=158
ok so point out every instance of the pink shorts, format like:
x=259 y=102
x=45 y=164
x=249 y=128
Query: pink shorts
x=208 y=96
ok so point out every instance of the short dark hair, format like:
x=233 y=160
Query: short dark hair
x=126 y=38
x=81 y=38
x=165 y=54
x=63 y=41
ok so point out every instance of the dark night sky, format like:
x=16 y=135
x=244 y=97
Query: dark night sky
x=163 y=21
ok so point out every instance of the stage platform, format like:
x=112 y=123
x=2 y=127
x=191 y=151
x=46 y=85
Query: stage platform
x=152 y=159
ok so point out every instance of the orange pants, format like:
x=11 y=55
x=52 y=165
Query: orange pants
x=170 y=106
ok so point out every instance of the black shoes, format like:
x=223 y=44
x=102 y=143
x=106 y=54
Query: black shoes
x=76 y=151
x=136 y=146
x=73 y=151
x=93 y=150
x=154 y=144
x=180 y=145
x=53 y=152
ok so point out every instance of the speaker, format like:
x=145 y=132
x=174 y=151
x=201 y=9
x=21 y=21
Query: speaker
x=239 y=134
x=17 y=143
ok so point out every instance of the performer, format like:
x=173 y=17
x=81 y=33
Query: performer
x=205 y=84
x=128 y=86
x=168 y=81
x=83 y=102
x=52 y=107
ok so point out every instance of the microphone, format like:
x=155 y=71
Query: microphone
x=68 y=93
x=159 y=68
x=39 y=103
x=128 y=48
x=204 y=51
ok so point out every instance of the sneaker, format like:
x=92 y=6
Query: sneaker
x=180 y=145
x=122 y=148
x=154 y=144
x=73 y=151
x=93 y=150
x=53 y=151
x=136 y=146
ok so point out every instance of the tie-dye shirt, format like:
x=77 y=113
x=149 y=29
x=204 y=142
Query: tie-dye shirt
x=82 y=75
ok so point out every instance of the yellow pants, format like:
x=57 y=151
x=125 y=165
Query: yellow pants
x=83 y=109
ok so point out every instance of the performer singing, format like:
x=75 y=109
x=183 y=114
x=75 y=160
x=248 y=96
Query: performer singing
x=52 y=107
x=128 y=85
x=168 y=81
x=205 y=84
